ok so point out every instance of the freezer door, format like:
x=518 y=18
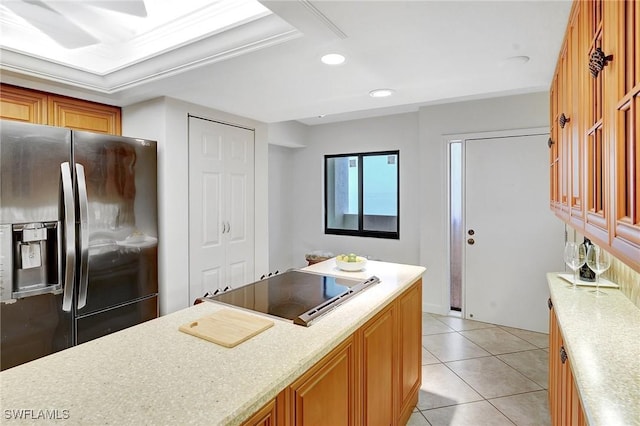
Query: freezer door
x=33 y=327
x=30 y=157
x=115 y=319
x=117 y=212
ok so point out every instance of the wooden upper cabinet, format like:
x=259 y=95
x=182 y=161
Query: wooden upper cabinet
x=554 y=166
x=595 y=183
x=577 y=73
x=596 y=152
x=21 y=104
x=564 y=130
x=82 y=115
x=32 y=106
x=625 y=136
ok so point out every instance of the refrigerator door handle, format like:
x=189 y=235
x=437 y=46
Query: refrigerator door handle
x=69 y=236
x=84 y=235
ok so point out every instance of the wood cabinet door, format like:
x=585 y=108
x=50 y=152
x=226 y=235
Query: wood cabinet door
x=379 y=369
x=564 y=402
x=265 y=417
x=326 y=394
x=21 y=104
x=84 y=115
x=409 y=308
x=623 y=26
x=554 y=368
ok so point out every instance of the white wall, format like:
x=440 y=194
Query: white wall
x=281 y=208
x=296 y=222
x=307 y=168
x=165 y=120
x=512 y=112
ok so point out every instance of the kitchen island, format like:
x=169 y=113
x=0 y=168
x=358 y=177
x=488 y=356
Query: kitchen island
x=154 y=374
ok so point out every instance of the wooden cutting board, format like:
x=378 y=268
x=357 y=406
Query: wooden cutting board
x=227 y=327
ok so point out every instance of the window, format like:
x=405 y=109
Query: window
x=361 y=194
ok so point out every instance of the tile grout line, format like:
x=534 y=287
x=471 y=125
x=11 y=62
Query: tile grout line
x=535 y=347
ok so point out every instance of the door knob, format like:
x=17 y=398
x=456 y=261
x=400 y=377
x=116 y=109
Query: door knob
x=471 y=241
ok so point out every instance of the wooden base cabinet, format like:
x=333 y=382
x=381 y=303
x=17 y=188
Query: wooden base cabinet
x=409 y=307
x=327 y=393
x=265 y=417
x=564 y=402
x=372 y=378
x=379 y=366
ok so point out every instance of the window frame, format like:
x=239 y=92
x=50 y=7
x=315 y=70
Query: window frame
x=360 y=232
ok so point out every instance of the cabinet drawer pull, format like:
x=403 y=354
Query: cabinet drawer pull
x=550 y=142
x=563 y=354
x=549 y=303
x=597 y=61
x=563 y=120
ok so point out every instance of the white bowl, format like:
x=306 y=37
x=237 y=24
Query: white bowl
x=351 y=266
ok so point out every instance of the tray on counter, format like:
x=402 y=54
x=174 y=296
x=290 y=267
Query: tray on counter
x=604 y=283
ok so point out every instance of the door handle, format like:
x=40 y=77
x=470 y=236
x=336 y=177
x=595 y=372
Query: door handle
x=471 y=241
x=69 y=236
x=83 y=207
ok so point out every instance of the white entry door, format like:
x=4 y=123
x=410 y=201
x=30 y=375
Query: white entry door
x=511 y=237
x=221 y=206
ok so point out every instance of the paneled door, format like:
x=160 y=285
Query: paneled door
x=511 y=238
x=221 y=206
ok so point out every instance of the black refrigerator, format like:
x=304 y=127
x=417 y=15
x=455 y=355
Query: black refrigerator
x=78 y=237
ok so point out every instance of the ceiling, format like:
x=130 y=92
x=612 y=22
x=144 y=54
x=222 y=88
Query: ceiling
x=267 y=67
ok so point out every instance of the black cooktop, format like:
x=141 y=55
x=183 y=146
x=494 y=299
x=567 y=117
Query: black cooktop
x=294 y=295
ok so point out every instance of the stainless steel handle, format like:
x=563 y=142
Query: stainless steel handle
x=228 y=227
x=224 y=227
x=84 y=235
x=69 y=236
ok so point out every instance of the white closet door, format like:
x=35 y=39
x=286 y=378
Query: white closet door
x=239 y=215
x=221 y=237
x=511 y=238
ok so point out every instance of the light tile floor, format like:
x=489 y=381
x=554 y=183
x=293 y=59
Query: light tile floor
x=475 y=373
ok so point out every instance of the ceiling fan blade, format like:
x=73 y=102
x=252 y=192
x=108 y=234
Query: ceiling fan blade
x=130 y=7
x=53 y=24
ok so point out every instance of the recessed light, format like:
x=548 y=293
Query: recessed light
x=381 y=93
x=333 y=59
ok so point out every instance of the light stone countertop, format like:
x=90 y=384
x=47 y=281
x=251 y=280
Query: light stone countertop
x=602 y=339
x=154 y=374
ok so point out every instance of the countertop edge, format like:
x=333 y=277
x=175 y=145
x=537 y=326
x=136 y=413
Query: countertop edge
x=599 y=335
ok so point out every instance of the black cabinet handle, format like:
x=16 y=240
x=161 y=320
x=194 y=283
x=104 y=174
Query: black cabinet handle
x=563 y=354
x=563 y=120
x=597 y=61
x=550 y=142
x=549 y=303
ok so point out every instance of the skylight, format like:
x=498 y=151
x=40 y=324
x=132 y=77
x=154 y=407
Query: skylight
x=101 y=37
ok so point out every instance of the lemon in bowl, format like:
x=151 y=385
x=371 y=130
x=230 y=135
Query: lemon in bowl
x=350 y=262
